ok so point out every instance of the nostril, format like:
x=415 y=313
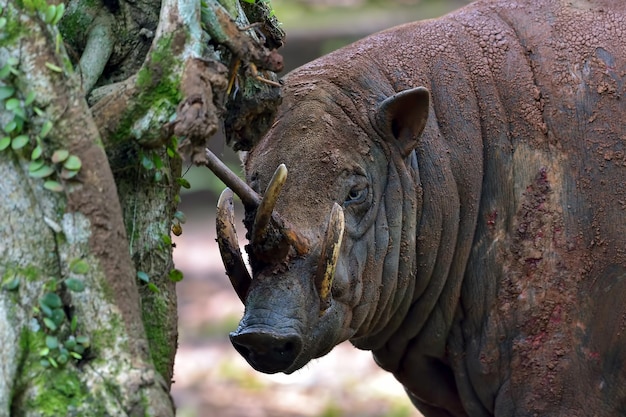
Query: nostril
x=267 y=351
x=288 y=347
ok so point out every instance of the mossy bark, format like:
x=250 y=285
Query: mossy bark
x=49 y=233
x=106 y=346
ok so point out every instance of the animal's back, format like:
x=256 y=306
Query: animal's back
x=563 y=265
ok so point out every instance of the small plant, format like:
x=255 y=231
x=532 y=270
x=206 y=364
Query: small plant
x=10 y=281
x=174 y=275
x=62 y=342
x=153 y=163
x=20 y=133
x=145 y=278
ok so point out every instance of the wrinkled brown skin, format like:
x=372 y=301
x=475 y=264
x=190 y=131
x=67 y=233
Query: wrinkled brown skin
x=486 y=267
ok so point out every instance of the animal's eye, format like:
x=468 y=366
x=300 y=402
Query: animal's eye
x=357 y=195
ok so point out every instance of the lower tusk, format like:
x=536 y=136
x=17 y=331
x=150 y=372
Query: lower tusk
x=229 y=245
x=329 y=256
x=265 y=209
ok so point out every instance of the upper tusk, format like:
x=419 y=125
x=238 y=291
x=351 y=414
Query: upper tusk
x=329 y=256
x=229 y=245
x=265 y=209
x=251 y=199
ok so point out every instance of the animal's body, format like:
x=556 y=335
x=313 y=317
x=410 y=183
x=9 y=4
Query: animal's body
x=483 y=260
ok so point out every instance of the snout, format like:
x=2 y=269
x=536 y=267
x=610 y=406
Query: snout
x=266 y=350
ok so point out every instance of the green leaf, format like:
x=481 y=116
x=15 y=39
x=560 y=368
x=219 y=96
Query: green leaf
x=54 y=186
x=158 y=162
x=6 y=91
x=53 y=362
x=60 y=155
x=183 y=183
x=70 y=343
x=10 y=127
x=153 y=288
x=67 y=174
x=76 y=355
x=79 y=266
x=45 y=128
x=19 y=123
x=52 y=342
x=30 y=97
x=36 y=152
x=44 y=351
x=147 y=162
x=158 y=176
x=73 y=324
x=180 y=216
x=42 y=172
x=19 y=112
x=171 y=152
x=176 y=275
x=63 y=358
x=166 y=239
x=12 y=284
x=5 y=142
x=72 y=163
x=51 y=285
x=19 y=142
x=50 y=14
x=59 y=14
x=4 y=71
x=75 y=284
x=49 y=323
x=12 y=104
x=83 y=340
x=53 y=67
x=47 y=311
x=39 y=112
x=35 y=165
x=143 y=276
x=3 y=22
x=58 y=316
x=52 y=300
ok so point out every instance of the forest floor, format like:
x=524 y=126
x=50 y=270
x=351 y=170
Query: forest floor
x=212 y=380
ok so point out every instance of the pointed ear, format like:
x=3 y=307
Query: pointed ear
x=403 y=117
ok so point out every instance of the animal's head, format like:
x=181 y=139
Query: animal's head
x=332 y=245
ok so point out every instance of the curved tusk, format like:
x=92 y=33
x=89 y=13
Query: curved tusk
x=329 y=256
x=229 y=245
x=265 y=209
x=251 y=199
x=247 y=195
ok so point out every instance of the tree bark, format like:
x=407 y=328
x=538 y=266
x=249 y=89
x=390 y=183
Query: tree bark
x=69 y=304
x=89 y=194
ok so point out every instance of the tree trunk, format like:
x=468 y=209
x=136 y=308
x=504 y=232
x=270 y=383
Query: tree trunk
x=87 y=298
